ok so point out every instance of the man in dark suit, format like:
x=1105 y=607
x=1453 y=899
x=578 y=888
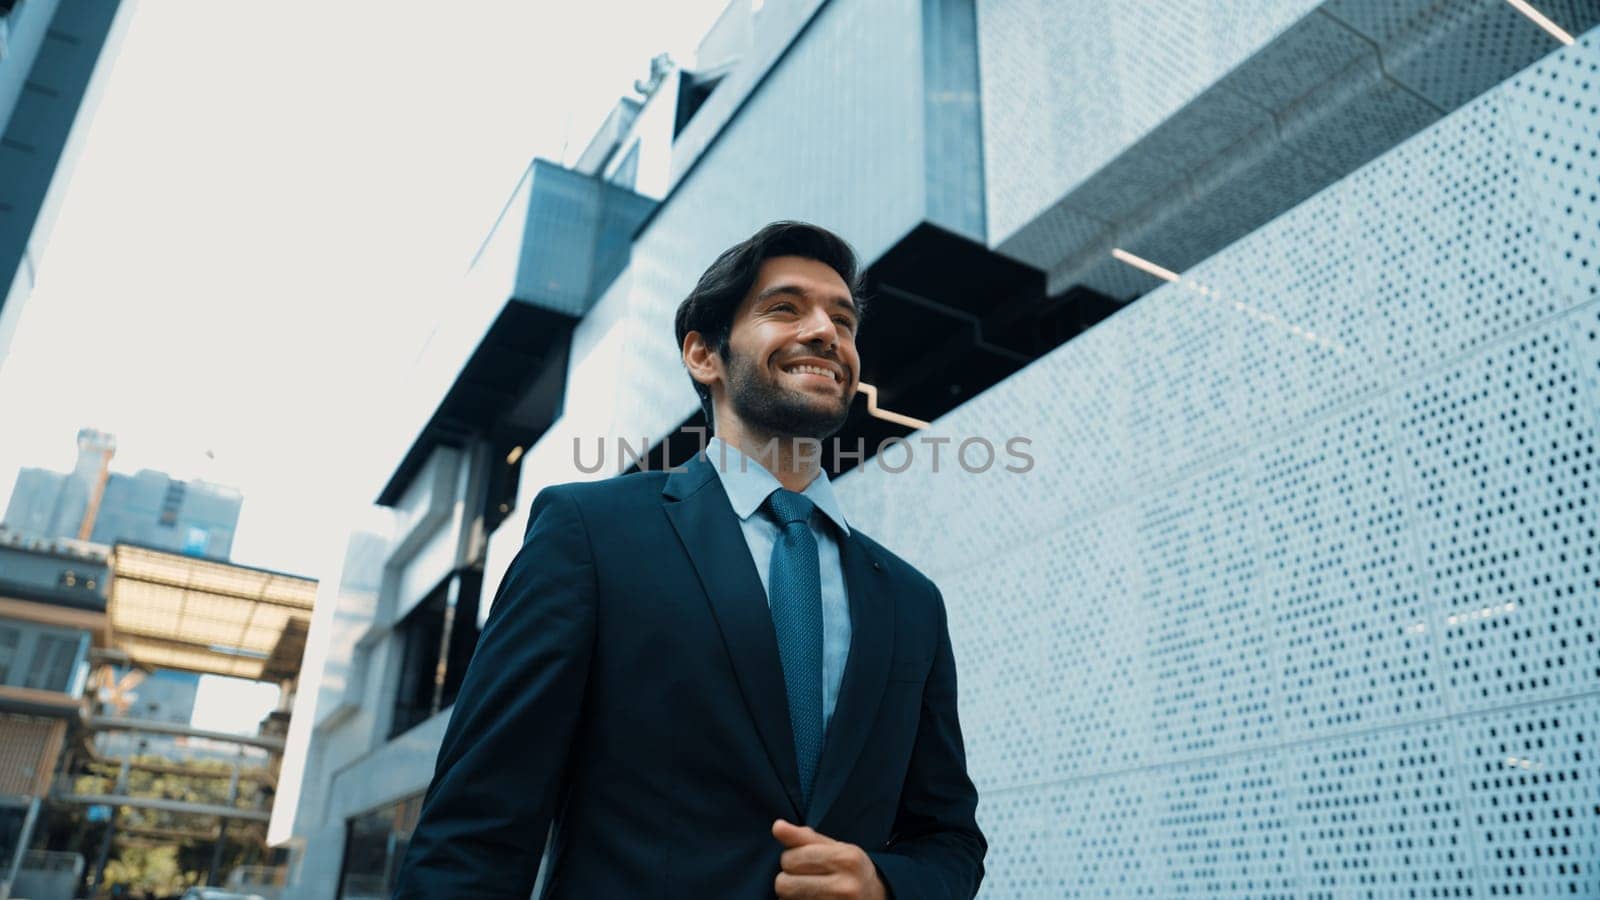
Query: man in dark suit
x=709 y=682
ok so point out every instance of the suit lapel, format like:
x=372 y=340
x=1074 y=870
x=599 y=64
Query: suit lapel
x=699 y=510
x=866 y=673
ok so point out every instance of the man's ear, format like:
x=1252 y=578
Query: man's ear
x=703 y=363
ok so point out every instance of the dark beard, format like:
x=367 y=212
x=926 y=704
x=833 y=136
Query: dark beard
x=774 y=410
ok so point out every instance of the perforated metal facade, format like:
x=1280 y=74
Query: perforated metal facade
x=1302 y=596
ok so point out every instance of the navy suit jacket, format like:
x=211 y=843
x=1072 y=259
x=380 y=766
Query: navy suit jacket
x=627 y=688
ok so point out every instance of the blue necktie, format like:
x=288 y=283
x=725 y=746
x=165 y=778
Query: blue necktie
x=794 y=590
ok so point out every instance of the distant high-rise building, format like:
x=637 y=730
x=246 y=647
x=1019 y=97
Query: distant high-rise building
x=50 y=53
x=164 y=695
x=149 y=508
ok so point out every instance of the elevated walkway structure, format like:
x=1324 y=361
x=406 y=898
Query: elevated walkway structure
x=166 y=610
x=171 y=611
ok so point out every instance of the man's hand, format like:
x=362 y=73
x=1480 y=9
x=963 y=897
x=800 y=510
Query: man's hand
x=817 y=866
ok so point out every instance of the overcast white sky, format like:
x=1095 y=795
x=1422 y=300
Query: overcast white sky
x=273 y=206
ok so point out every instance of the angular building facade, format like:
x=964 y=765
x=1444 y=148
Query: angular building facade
x=51 y=54
x=1295 y=308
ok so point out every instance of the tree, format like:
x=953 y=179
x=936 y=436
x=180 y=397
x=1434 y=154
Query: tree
x=163 y=851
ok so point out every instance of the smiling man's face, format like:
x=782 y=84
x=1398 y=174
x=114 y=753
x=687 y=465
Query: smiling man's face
x=792 y=369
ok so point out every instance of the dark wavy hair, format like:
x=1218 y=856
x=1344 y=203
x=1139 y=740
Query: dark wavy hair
x=710 y=307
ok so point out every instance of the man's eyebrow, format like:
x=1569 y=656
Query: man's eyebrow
x=795 y=290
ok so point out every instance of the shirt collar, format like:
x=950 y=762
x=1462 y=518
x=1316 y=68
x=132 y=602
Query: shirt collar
x=748 y=485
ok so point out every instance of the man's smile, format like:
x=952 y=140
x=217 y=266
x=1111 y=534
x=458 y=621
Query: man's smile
x=814 y=372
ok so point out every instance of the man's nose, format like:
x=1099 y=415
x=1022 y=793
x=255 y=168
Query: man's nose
x=819 y=326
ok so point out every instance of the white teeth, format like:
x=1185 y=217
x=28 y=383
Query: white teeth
x=814 y=370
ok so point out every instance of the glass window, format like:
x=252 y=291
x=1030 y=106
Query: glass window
x=9 y=639
x=10 y=831
x=429 y=632
x=195 y=541
x=53 y=659
x=375 y=844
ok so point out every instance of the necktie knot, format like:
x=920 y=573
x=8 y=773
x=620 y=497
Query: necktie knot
x=787 y=507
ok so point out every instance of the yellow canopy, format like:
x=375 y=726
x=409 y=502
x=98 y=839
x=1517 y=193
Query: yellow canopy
x=172 y=611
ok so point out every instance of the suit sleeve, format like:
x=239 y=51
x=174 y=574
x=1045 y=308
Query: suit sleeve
x=502 y=762
x=937 y=851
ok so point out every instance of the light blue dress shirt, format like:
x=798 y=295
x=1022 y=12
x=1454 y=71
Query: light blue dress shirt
x=747 y=483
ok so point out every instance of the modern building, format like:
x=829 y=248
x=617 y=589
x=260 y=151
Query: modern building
x=101 y=650
x=149 y=508
x=53 y=56
x=1294 y=309
x=52 y=614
